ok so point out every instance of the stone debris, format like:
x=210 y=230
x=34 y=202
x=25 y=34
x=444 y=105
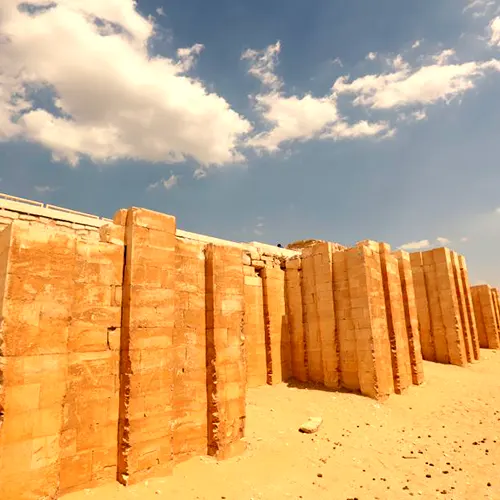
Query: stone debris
x=311 y=426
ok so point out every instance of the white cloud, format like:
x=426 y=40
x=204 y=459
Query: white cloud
x=160 y=11
x=419 y=115
x=443 y=241
x=44 y=189
x=169 y=183
x=495 y=32
x=479 y=8
x=416 y=44
x=187 y=56
x=464 y=239
x=497 y=210
x=443 y=57
x=371 y=56
x=263 y=64
x=200 y=173
x=114 y=100
x=297 y=118
x=408 y=86
x=416 y=245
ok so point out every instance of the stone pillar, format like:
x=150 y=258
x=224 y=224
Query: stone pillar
x=311 y=320
x=293 y=288
x=190 y=376
x=425 y=327
x=344 y=324
x=321 y=340
x=462 y=306
x=445 y=318
x=145 y=435
x=277 y=335
x=496 y=306
x=226 y=370
x=373 y=348
x=411 y=316
x=90 y=427
x=396 y=321
x=469 y=307
x=36 y=286
x=254 y=330
x=484 y=310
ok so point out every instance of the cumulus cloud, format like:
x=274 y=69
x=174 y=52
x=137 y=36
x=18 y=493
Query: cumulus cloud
x=112 y=100
x=371 y=56
x=187 y=56
x=443 y=241
x=407 y=86
x=416 y=245
x=263 y=64
x=297 y=118
x=168 y=184
x=416 y=44
x=495 y=32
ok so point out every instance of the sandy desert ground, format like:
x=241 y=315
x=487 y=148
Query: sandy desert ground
x=440 y=440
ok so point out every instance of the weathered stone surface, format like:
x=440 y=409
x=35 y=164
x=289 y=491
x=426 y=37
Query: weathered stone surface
x=487 y=314
x=129 y=346
x=443 y=304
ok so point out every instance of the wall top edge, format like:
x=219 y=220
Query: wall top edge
x=36 y=208
x=29 y=207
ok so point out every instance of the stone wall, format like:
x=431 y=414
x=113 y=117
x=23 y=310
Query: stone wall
x=444 y=307
x=349 y=326
x=61 y=318
x=128 y=347
x=487 y=313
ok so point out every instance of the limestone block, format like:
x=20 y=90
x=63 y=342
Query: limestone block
x=146 y=433
x=462 y=307
x=396 y=321
x=254 y=332
x=423 y=307
x=411 y=315
x=276 y=326
x=293 y=289
x=484 y=311
x=112 y=233
x=189 y=345
x=226 y=371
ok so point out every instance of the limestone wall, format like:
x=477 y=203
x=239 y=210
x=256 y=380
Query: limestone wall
x=444 y=307
x=349 y=327
x=487 y=313
x=61 y=318
x=127 y=347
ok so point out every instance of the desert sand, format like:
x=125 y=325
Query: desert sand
x=439 y=440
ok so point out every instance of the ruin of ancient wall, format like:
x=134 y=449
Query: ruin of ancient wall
x=447 y=324
x=129 y=347
x=131 y=331
x=487 y=314
x=349 y=325
x=60 y=351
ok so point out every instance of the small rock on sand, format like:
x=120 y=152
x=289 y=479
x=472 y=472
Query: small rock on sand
x=311 y=426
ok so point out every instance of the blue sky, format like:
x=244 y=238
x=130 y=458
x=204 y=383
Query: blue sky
x=265 y=126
